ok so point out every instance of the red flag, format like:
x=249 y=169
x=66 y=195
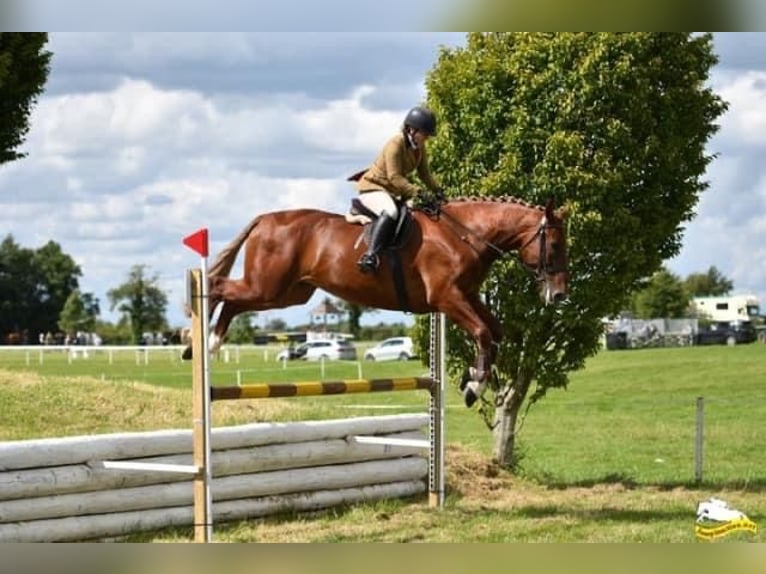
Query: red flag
x=197 y=241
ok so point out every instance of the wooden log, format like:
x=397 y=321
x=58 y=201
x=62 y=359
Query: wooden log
x=95 y=527
x=81 y=449
x=332 y=477
x=29 y=483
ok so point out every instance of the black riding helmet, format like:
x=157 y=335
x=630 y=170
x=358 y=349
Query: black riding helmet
x=421 y=119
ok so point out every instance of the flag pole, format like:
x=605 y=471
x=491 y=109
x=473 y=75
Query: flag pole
x=199 y=303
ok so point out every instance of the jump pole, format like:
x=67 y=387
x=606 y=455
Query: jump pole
x=436 y=439
x=197 y=300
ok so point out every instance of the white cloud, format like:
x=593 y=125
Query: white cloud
x=745 y=122
x=729 y=231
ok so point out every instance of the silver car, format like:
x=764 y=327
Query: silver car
x=393 y=349
x=333 y=350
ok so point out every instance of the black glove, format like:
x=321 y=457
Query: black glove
x=428 y=201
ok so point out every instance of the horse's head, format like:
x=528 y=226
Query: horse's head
x=546 y=254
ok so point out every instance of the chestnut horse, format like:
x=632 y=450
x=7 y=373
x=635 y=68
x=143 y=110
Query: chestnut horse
x=445 y=259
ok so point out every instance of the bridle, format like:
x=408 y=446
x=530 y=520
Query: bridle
x=543 y=269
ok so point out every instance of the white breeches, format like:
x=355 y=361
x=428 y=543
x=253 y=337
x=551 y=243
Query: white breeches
x=379 y=202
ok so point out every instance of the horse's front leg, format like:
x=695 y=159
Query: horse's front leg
x=475 y=379
x=474 y=318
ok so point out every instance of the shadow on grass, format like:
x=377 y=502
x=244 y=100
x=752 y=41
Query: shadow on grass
x=613 y=514
x=628 y=482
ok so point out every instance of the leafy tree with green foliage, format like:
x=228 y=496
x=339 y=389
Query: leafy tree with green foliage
x=34 y=286
x=354 y=313
x=24 y=67
x=80 y=312
x=276 y=324
x=60 y=278
x=242 y=329
x=141 y=301
x=709 y=284
x=613 y=125
x=663 y=297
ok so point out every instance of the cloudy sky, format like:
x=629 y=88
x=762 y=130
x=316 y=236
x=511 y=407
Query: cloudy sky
x=141 y=139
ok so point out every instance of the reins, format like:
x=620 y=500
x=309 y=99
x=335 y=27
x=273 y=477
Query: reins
x=542 y=268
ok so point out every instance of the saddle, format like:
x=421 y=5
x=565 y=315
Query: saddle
x=360 y=214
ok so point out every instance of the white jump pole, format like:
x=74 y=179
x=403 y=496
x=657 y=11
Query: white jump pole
x=438 y=362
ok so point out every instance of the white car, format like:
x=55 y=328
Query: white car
x=297 y=352
x=329 y=349
x=393 y=349
x=333 y=350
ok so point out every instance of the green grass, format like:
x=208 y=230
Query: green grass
x=609 y=459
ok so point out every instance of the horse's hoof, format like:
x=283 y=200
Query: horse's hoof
x=470 y=397
x=187 y=354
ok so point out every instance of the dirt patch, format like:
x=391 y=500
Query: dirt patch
x=473 y=476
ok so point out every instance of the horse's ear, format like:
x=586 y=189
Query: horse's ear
x=550 y=206
x=551 y=211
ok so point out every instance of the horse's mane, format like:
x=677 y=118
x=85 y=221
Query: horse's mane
x=496 y=199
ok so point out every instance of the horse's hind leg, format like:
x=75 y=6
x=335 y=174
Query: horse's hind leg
x=214 y=298
x=298 y=295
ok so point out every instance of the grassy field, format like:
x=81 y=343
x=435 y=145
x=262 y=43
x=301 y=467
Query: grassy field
x=611 y=459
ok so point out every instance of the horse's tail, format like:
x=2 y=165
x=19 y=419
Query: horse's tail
x=225 y=259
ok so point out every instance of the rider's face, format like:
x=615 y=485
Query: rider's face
x=420 y=137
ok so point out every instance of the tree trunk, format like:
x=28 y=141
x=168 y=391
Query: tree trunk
x=506 y=417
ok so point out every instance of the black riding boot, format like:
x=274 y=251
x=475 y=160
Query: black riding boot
x=380 y=235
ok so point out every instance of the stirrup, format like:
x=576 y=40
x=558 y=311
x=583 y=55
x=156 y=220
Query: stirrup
x=368 y=263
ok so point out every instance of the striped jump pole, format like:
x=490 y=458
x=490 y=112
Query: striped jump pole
x=315 y=388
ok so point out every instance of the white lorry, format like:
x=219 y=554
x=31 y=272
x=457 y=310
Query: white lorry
x=727 y=307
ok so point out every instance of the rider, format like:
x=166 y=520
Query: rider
x=386 y=179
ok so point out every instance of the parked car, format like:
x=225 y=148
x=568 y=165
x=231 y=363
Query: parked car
x=316 y=350
x=294 y=352
x=393 y=349
x=333 y=350
x=727 y=333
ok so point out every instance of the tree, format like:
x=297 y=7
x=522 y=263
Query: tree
x=664 y=296
x=615 y=125
x=276 y=324
x=354 y=313
x=141 y=301
x=17 y=278
x=34 y=285
x=60 y=278
x=709 y=284
x=242 y=329
x=80 y=312
x=24 y=67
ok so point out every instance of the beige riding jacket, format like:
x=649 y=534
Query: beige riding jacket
x=391 y=169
